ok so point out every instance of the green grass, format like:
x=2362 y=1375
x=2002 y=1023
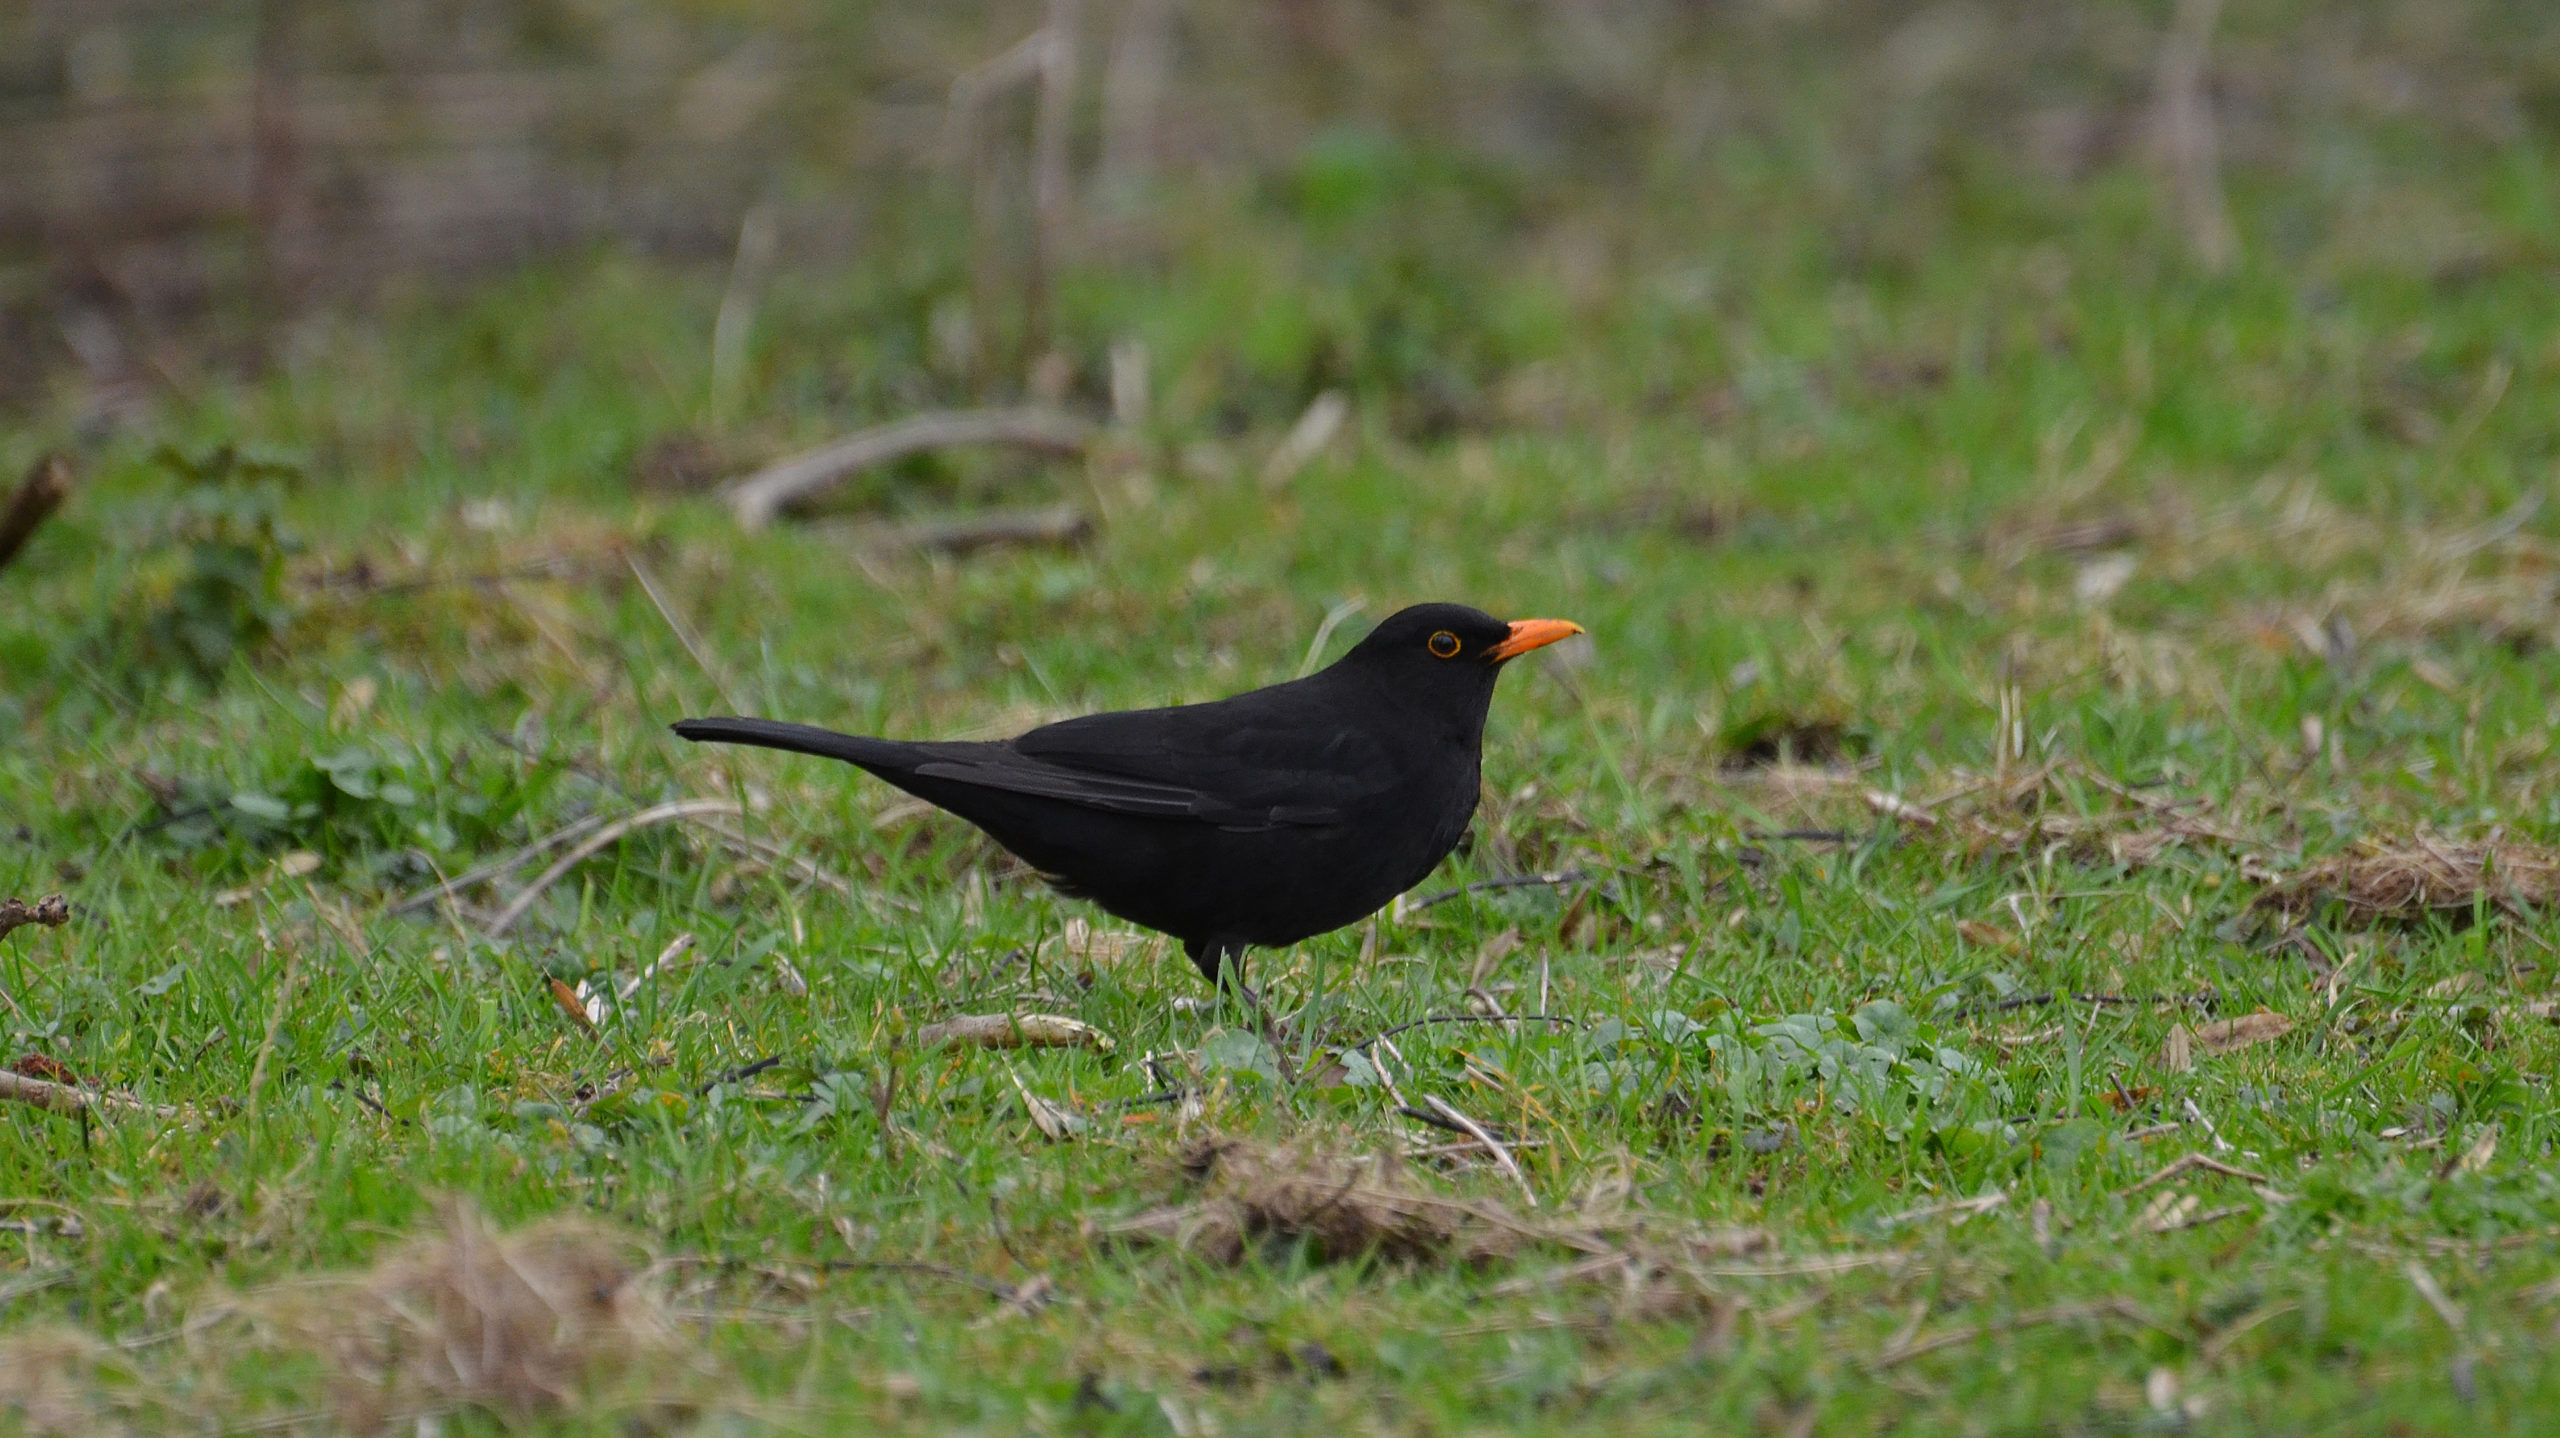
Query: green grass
x=1886 y=445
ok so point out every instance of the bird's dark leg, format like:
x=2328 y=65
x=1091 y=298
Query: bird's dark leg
x=1221 y=962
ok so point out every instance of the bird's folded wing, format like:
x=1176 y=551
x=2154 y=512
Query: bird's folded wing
x=1234 y=770
x=1052 y=781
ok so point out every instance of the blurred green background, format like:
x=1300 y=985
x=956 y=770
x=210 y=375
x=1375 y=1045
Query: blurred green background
x=1468 y=215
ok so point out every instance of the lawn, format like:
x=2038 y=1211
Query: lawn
x=2052 y=837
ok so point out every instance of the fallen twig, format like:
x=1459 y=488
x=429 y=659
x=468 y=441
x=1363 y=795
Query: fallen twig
x=501 y=868
x=2175 y=1212
x=1464 y=1019
x=1472 y=1145
x=2433 y=1292
x=37 y=497
x=1057 y=1123
x=1476 y=1131
x=761 y=497
x=739 y=1074
x=1306 y=439
x=599 y=1009
x=2200 y=999
x=1894 y=806
x=1170 y=1095
x=1514 y=881
x=52 y=911
x=1973 y=1332
x=808 y=869
x=1015 y=1031
x=2188 y=1164
x=588 y=847
x=2186 y=135
x=67 y=1099
x=1958 y=1208
x=360 y=580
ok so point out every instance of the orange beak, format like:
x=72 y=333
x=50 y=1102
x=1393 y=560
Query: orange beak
x=1528 y=634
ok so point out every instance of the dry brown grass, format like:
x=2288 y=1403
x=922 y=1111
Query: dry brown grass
x=1344 y=1204
x=49 y=1385
x=2066 y=807
x=555 y=1318
x=521 y=1324
x=2381 y=881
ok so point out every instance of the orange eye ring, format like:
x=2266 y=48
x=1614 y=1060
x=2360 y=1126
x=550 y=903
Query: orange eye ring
x=1444 y=645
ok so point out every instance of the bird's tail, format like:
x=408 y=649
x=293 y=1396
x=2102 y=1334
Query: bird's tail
x=873 y=754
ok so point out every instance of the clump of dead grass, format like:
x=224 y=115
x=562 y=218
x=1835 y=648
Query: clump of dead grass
x=49 y=1385
x=2066 y=808
x=521 y=1324
x=1341 y=1205
x=2379 y=881
x=1344 y=1205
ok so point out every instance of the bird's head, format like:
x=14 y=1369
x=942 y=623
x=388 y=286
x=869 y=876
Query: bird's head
x=1448 y=648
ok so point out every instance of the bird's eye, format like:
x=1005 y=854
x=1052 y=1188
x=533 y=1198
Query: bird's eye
x=1445 y=644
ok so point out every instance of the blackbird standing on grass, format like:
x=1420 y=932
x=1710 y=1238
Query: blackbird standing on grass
x=1262 y=819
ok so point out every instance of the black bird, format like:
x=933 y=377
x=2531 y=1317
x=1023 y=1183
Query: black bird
x=1262 y=819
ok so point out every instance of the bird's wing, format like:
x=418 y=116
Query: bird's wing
x=1021 y=775
x=1240 y=765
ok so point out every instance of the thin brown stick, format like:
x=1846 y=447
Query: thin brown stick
x=63 y=1098
x=1388 y=1033
x=1132 y=90
x=37 y=497
x=1050 y=193
x=2176 y=1222
x=52 y=911
x=808 y=869
x=1014 y=1031
x=587 y=848
x=761 y=497
x=275 y=148
x=1894 y=806
x=2433 y=1292
x=2189 y=1164
x=1306 y=439
x=600 y=1009
x=1959 y=1208
x=1387 y=1076
x=1476 y=1131
x=2220 y=1343
x=2033 y=1318
x=501 y=868
x=2189 y=144
x=1512 y=881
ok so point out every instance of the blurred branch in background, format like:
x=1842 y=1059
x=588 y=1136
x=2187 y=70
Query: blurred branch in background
x=32 y=503
x=2189 y=146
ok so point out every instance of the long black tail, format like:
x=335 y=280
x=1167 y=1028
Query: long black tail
x=873 y=754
